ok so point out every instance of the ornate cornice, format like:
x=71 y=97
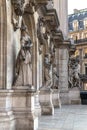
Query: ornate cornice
x=58 y=37
x=51 y=16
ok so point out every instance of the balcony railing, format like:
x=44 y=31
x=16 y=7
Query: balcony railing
x=80 y=41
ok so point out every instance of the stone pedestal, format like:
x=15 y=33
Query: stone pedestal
x=56 y=99
x=46 y=103
x=7 y=119
x=37 y=104
x=74 y=96
x=17 y=110
x=23 y=109
x=63 y=57
x=64 y=97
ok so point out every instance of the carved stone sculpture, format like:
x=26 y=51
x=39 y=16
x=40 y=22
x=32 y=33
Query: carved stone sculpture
x=55 y=77
x=74 y=72
x=47 y=72
x=18 y=6
x=41 y=30
x=24 y=63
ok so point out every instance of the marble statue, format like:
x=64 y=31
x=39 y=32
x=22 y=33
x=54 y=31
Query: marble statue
x=24 y=63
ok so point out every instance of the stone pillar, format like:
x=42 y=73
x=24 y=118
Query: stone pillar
x=3 y=43
x=63 y=57
x=56 y=98
x=36 y=68
x=62 y=11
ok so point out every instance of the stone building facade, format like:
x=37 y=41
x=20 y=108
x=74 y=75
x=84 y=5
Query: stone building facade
x=78 y=34
x=34 y=54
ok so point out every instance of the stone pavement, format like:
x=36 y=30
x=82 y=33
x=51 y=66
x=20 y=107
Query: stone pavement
x=69 y=117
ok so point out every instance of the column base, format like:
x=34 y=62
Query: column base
x=23 y=108
x=74 y=96
x=46 y=103
x=26 y=121
x=56 y=99
x=37 y=105
x=64 y=97
x=7 y=119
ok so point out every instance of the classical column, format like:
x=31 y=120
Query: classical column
x=62 y=11
x=3 y=44
x=62 y=66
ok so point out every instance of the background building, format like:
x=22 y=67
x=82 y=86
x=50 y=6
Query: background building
x=77 y=23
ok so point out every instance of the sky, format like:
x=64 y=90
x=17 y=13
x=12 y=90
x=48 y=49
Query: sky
x=76 y=4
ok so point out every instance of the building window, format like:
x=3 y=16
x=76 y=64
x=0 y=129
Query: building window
x=85 y=23
x=85 y=53
x=75 y=37
x=75 y=25
x=85 y=35
x=85 y=69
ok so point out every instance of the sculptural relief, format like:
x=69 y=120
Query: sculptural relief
x=24 y=62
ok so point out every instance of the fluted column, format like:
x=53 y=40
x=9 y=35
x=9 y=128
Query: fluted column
x=3 y=44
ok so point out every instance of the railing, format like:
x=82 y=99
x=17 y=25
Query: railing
x=80 y=41
x=83 y=77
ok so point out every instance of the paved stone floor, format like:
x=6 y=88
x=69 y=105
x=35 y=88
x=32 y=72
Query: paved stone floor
x=70 y=117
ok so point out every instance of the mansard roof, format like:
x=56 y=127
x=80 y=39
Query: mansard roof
x=79 y=16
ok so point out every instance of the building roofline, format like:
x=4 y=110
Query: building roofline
x=79 y=11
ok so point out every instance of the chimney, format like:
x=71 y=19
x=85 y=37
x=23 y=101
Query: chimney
x=76 y=11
